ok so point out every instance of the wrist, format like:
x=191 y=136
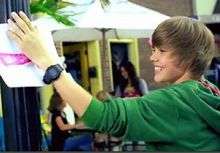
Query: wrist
x=47 y=63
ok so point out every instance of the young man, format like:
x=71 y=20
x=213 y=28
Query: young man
x=181 y=117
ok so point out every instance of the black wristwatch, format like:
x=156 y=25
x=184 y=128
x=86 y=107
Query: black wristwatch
x=52 y=73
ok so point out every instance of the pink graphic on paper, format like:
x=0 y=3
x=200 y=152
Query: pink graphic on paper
x=13 y=59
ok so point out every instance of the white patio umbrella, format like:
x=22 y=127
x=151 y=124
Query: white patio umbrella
x=121 y=19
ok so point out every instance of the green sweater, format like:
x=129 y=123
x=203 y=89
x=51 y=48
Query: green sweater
x=180 y=117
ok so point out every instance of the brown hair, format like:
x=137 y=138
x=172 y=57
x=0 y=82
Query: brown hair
x=191 y=41
x=102 y=95
x=56 y=103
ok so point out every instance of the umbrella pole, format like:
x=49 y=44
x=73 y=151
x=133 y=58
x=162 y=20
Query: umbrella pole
x=106 y=75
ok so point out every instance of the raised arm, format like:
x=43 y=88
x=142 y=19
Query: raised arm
x=29 y=41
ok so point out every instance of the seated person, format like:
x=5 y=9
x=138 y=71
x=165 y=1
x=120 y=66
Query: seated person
x=60 y=127
x=63 y=125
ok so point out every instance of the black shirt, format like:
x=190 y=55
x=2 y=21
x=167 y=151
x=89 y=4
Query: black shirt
x=58 y=136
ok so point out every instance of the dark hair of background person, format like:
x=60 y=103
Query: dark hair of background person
x=55 y=102
x=132 y=75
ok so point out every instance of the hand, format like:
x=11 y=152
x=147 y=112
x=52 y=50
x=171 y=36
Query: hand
x=28 y=40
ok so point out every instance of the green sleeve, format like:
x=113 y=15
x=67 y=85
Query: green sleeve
x=149 y=118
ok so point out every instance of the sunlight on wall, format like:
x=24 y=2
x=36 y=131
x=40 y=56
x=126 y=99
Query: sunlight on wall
x=204 y=7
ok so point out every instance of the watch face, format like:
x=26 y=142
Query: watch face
x=53 y=73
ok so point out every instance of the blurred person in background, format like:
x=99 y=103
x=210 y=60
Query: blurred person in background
x=130 y=85
x=61 y=129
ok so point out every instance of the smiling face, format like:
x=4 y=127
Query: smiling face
x=183 y=48
x=167 y=67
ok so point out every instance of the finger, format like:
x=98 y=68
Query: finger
x=13 y=27
x=26 y=20
x=13 y=36
x=20 y=23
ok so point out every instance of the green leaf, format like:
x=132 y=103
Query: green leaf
x=64 y=4
x=52 y=7
x=105 y=3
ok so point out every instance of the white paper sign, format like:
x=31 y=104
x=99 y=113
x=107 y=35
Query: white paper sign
x=17 y=70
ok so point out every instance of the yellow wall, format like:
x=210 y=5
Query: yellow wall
x=81 y=48
x=95 y=60
x=133 y=53
x=94 y=57
x=45 y=94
